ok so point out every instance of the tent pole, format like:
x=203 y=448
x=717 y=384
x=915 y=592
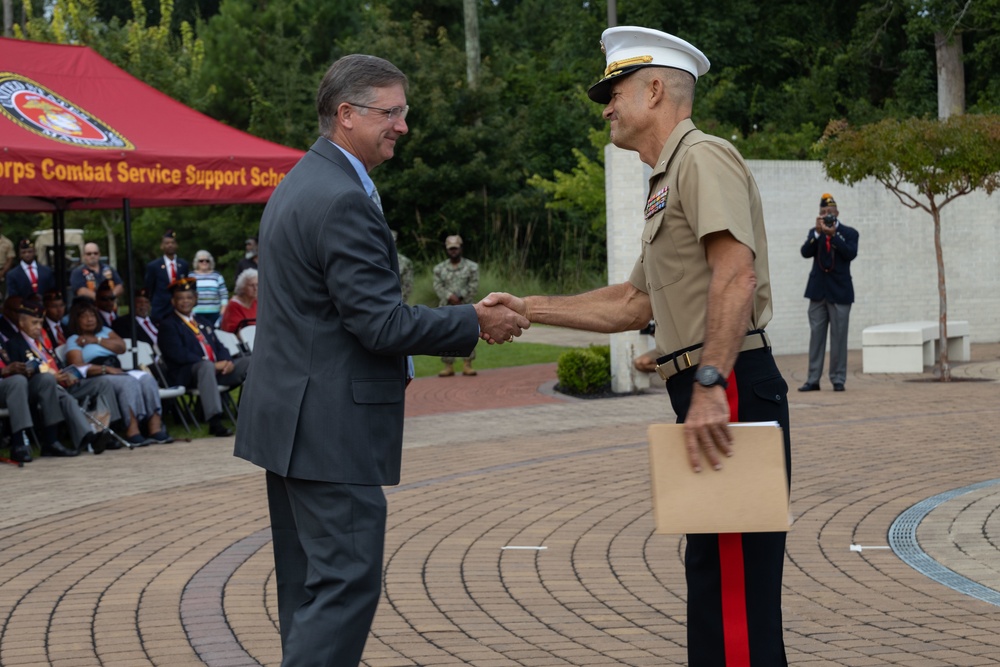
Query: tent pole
x=59 y=247
x=127 y=214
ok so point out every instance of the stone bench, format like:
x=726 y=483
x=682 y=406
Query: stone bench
x=906 y=347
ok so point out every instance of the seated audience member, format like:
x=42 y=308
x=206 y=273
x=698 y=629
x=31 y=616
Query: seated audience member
x=195 y=358
x=54 y=390
x=8 y=318
x=55 y=311
x=242 y=309
x=212 y=293
x=14 y=398
x=145 y=330
x=93 y=349
x=28 y=276
x=84 y=279
x=107 y=303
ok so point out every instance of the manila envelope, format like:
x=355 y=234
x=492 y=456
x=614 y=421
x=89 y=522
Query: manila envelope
x=749 y=494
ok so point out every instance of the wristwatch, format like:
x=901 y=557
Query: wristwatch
x=709 y=376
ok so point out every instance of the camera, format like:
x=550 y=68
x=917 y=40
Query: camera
x=829 y=220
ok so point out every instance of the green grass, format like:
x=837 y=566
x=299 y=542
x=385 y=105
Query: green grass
x=496 y=356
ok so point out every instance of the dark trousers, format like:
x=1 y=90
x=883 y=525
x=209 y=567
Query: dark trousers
x=835 y=316
x=734 y=580
x=328 y=545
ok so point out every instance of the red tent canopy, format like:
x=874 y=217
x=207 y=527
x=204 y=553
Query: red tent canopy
x=78 y=132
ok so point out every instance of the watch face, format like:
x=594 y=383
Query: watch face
x=707 y=376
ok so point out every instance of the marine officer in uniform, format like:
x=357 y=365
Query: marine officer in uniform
x=702 y=274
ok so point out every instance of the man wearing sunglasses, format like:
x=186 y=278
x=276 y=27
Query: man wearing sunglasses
x=84 y=279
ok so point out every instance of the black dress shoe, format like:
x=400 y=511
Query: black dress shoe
x=809 y=386
x=57 y=449
x=839 y=386
x=20 y=452
x=219 y=431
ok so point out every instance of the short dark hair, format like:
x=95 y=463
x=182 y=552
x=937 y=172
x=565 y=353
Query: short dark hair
x=353 y=78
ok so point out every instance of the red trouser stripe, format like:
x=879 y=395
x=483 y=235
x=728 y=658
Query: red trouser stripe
x=734 y=603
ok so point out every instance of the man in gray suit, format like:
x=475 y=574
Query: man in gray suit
x=322 y=407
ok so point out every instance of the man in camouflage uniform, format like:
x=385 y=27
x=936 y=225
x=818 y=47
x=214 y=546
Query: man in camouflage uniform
x=456 y=281
x=405 y=271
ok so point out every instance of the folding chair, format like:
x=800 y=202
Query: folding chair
x=247 y=334
x=170 y=396
x=230 y=341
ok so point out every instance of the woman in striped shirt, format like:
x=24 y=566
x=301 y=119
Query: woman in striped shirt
x=212 y=293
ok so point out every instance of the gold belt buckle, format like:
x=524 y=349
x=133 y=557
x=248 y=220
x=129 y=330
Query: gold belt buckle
x=687 y=361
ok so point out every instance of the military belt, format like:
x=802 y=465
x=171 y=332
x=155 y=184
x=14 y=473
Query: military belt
x=670 y=365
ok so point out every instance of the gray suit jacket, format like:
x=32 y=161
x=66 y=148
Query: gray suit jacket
x=323 y=399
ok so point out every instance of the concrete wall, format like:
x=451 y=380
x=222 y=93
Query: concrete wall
x=895 y=273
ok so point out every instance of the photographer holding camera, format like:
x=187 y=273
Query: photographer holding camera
x=832 y=245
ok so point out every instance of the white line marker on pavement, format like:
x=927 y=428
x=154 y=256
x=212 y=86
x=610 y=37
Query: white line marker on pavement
x=858 y=547
x=527 y=548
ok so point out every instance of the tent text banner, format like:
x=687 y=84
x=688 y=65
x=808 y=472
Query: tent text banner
x=84 y=179
x=77 y=132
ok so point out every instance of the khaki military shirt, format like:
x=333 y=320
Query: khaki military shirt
x=699 y=185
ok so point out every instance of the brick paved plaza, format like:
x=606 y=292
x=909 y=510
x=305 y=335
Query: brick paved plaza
x=161 y=556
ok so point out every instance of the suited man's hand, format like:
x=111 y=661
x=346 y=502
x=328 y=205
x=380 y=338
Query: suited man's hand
x=15 y=368
x=224 y=367
x=510 y=301
x=65 y=379
x=498 y=323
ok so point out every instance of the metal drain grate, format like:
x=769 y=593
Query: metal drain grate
x=903 y=540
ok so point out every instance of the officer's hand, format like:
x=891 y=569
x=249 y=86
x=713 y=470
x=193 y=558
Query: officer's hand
x=706 y=427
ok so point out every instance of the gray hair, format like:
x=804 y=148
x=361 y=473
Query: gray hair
x=243 y=279
x=353 y=79
x=678 y=84
x=204 y=254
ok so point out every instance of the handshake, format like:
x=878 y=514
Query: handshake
x=501 y=316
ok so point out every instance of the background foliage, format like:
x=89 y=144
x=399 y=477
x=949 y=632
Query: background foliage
x=514 y=165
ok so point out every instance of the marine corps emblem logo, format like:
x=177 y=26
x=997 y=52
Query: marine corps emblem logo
x=44 y=112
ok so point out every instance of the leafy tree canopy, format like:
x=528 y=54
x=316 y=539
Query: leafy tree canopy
x=509 y=164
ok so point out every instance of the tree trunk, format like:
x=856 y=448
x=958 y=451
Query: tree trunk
x=8 y=18
x=943 y=369
x=950 y=75
x=471 y=43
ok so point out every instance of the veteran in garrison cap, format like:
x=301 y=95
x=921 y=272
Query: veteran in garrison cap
x=702 y=275
x=161 y=272
x=194 y=356
x=831 y=246
x=29 y=277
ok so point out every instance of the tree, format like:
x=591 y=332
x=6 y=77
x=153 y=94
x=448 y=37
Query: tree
x=941 y=159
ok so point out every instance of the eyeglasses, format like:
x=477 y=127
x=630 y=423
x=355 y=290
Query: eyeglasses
x=393 y=114
x=204 y=260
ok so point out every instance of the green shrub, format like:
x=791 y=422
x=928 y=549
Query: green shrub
x=585 y=371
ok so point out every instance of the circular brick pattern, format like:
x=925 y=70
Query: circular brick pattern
x=162 y=557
